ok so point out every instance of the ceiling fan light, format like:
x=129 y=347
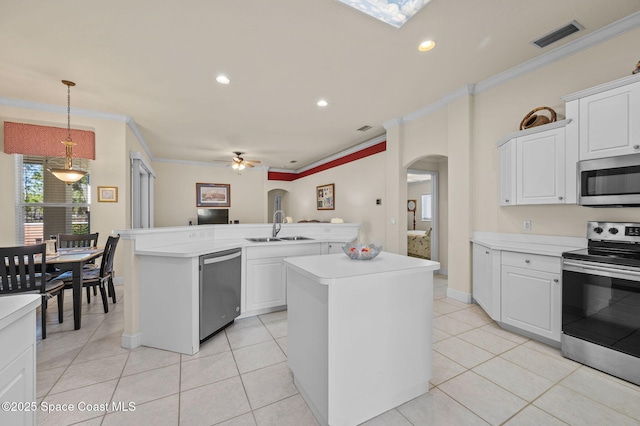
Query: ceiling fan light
x=235 y=166
x=241 y=166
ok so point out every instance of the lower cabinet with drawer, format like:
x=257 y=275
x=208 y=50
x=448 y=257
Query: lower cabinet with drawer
x=531 y=294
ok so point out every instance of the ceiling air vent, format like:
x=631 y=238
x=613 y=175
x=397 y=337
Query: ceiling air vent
x=364 y=128
x=559 y=34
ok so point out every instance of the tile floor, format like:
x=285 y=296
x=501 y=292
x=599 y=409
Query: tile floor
x=481 y=375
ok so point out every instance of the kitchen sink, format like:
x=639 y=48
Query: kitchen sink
x=263 y=240
x=295 y=238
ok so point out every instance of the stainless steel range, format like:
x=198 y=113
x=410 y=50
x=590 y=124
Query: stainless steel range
x=601 y=300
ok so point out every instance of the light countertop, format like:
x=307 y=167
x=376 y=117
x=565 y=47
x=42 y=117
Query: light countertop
x=14 y=306
x=327 y=268
x=534 y=244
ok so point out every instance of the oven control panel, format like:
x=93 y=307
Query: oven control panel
x=614 y=231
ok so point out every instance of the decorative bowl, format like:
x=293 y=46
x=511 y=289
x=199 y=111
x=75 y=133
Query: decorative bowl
x=361 y=251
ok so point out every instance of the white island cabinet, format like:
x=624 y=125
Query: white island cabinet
x=360 y=333
x=18 y=357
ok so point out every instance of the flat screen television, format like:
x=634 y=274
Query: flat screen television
x=213 y=216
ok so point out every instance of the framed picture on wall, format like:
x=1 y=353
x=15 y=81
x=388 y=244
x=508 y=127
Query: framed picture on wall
x=107 y=194
x=326 y=197
x=213 y=195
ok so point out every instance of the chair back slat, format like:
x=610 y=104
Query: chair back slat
x=77 y=240
x=106 y=266
x=19 y=274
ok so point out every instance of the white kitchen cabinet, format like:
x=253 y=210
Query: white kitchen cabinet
x=537 y=166
x=335 y=247
x=507 y=169
x=486 y=279
x=266 y=285
x=608 y=117
x=540 y=168
x=531 y=294
x=18 y=356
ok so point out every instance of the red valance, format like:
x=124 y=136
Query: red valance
x=46 y=141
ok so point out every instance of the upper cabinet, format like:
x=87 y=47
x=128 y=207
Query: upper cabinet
x=608 y=118
x=537 y=166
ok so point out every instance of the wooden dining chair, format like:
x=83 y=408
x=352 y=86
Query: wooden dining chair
x=101 y=278
x=19 y=276
x=71 y=241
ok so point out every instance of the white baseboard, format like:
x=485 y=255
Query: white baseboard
x=131 y=341
x=459 y=296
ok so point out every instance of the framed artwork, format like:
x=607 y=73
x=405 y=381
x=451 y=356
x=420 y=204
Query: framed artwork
x=326 y=197
x=107 y=194
x=213 y=195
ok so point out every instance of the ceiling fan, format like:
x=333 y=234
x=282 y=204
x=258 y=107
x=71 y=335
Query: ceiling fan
x=239 y=163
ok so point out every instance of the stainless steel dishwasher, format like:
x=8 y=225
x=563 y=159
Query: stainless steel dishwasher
x=219 y=291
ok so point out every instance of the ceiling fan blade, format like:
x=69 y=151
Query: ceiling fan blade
x=248 y=164
x=251 y=162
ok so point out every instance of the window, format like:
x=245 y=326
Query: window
x=46 y=206
x=426 y=207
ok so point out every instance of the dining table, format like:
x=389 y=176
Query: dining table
x=76 y=258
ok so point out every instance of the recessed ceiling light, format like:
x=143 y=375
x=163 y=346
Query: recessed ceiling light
x=322 y=103
x=223 y=79
x=426 y=45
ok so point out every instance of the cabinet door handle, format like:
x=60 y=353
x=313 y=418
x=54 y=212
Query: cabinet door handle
x=560 y=198
x=506 y=201
x=486 y=252
x=555 y=280
x=527 y=261
x=636 y=146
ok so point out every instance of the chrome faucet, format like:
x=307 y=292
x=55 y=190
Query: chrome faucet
x=276 y=224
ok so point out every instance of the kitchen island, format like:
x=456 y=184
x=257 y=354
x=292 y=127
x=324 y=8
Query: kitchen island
x=359 y=333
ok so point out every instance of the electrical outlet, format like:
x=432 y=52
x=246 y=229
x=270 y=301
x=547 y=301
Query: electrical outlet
x=527 y=225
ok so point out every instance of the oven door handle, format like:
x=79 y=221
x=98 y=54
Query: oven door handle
x=601 y=270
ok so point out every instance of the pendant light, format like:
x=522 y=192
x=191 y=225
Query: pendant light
x=67 y=174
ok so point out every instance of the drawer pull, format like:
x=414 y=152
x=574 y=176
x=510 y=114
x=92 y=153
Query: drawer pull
x=527 y=261
x=486 y=252
x=506 y=201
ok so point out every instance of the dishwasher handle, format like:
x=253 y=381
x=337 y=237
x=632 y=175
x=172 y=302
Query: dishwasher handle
x=211 y=260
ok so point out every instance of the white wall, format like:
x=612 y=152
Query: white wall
x=357 y=186
x=175 y=194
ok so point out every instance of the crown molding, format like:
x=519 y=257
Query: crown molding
x=612 y=30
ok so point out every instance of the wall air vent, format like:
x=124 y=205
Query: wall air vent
x=558 y=34
x=364 y=128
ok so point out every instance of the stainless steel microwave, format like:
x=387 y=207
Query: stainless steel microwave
x=609 y=182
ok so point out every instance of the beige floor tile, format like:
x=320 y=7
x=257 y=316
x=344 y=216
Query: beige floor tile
x=444 y=369
x=67 y=337
x=96 y=394
x=576 y=409
x=450 y=325
x=108 y=330
x=484 y=398
x=163 y=411
x=488 y=341
x=247 y=336
x=47 y=359
x=457 y=303
x=622 y=398
x=46 y=379
x=277 y=329
x=439 y=335
x=292 y=411
x=282 y=342
x=243 y=420
x=90 y=373
x=214 y=403
x=215 y=345
x=495 y=329
x=104 y=348
x=388 y=418
x=519 y=381
x=145 y=359
x=274 y=316
x=470 y=316
x=464 y=353
x=149 y=385
x=206 y=370
x=533 y=416
x=438 y=409
x=268 y=385
x=539 y=363
x=443 y=308
x=244 y=322
x=258 y=356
